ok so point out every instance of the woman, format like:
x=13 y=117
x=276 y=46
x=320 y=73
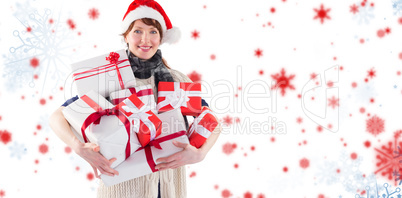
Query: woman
x=145 y=27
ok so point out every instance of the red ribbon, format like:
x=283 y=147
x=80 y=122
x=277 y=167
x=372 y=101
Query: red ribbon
x=156 y=144
x=113 y=58
x=97 y=70
x=95 y=117
x=144 y=92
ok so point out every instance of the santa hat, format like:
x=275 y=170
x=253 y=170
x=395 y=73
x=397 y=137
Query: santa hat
x=139 y=9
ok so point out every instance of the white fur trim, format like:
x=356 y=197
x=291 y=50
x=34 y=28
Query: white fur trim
x=142 y=12
x=171 y=36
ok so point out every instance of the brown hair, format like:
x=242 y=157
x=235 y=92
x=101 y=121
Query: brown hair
x=152 y=22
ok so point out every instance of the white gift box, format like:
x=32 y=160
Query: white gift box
x=144 y=93
x=137 y=165
x=110 y=134
x=102 y=76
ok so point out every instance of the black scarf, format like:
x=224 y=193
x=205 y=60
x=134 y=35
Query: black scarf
x=151 y=67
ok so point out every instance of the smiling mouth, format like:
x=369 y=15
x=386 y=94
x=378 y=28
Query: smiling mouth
x=145 y=48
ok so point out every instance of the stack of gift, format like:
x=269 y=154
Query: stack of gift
x=129 y=128
x=143 y=161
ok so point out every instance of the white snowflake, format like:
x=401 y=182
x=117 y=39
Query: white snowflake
x=17 y=150
x=397 y=6
x=365 y=14
x=327 y=173
x=345 y=170
x=378 y=191
x=364 y=92
x=46 y=41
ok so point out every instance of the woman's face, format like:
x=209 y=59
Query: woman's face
x=143 y=40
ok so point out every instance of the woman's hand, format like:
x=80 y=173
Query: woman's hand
x=189 y=155
x=90 y=153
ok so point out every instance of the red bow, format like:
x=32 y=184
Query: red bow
x=113 y=57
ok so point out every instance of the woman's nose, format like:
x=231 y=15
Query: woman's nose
x=145 y=37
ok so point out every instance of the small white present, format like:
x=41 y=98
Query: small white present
x=104 y=74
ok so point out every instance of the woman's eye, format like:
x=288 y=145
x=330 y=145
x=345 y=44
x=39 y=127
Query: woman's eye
x=154 y=32
x=137 y=31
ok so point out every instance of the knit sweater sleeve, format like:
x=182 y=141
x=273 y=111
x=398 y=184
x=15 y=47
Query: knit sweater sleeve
x=178 y=76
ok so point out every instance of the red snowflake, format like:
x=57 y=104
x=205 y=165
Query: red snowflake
x=213 y=56
x=228 y=120
x=43 y=148
x=299 y=120
x=388 y=30
x=226 y=193
x=5 y=136
x=71 y=24
x=2 y=193
x=322 y=13
x=90 y=176
x=354 y=9
x=371 y=73
x=375 y=125
x=228 y=148
x=388 y=157
x=380 y=33
x=93 y=13
x=304 y=163
x=34 y=62
x=313 y=76
x=248 y=195
x=400 y=20
x=261 y=196
x=258 y=52
x=333 y=102
x=195 y=34
x=194 y=76
x=283 y=81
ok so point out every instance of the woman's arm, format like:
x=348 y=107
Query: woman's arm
x=88 y=151
x=190 y=154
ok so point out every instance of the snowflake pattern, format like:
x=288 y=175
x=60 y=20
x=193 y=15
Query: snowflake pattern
x=371 y=73
x=43 y=45
x=17 y=150
x=397 y=6
x=375 y=125
x=388 y=160
x=194 y=76
x=195 y=34
x=333 y=102
x=93 y=13
x=322 y=13
x=364 y=14
x=377 y=195
x=346 y=171
x=282 y=81
x=258 y=53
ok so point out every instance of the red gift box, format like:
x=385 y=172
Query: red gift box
x=187 y=96
x=202 y=127
x=144 y=122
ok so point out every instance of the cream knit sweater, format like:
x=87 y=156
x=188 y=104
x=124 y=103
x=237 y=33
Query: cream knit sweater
x=172 y=181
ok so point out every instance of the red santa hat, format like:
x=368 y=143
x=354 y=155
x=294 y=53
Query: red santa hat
x=139 y=9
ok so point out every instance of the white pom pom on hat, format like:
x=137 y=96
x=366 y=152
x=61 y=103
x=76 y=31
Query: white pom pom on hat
x=139 y=9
